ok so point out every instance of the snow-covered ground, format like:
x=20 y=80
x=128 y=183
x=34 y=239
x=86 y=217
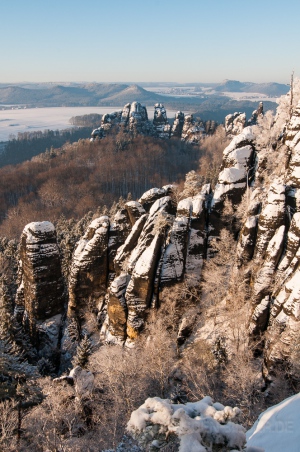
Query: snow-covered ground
x=253 y=97
x=55 y=118
x=278 y=428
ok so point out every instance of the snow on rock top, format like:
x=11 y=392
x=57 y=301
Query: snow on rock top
x=278 y=428
x=247 y=135
x=195 y=424
x=159 y=204
x=150 y=193
x=38 y=230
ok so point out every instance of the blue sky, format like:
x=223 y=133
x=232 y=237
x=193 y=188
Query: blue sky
x=149 y=40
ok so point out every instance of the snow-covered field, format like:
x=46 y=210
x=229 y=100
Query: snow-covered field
x=55 y=118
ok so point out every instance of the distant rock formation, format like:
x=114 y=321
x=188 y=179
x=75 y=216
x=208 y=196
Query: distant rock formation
x=160 y=121
x=134 y=118
x=177 y=125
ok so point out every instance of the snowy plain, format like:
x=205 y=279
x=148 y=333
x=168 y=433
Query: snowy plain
x=13 y=121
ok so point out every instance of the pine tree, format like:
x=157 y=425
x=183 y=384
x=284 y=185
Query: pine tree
x=83 y=353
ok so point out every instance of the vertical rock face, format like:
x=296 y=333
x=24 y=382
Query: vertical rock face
x=175 y=255
x=118 y=231
x=256 y=114
x=293 y=147
x=134 y=210
x=117 y=308
x=140 y=288
x=177 y=126
x=262 y=287
x=192 y=131
x=160 y=122
x=138 y=118
x=235 y=123
x=271 y=218
x=247 y=239
x=41 y=292
x=89 y=269
x=196 y=251
x=136 y=262
x=238 y=159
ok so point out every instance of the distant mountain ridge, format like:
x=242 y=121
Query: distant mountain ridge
x=270 y=89
x=116 y=94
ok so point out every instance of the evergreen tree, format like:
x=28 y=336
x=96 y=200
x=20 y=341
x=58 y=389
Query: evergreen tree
x=83 y=353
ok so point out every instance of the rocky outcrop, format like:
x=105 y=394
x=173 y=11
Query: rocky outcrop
x=149 y=197
x=130 y=293
x=192 y=130
x=119 y=230
x=262 y=286
x=123 y=267
x=271 y=218
x=134 y=118
x=134 y=210
x=89 y=269
x=234 y=177
x=235 y=123
x=192 y=427
x=256 y=114
x=160 y=122
x=177 y=126
x=138 y=118
x=40 y=298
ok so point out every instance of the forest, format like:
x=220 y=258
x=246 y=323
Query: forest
x=26 y=145
x=79 y=177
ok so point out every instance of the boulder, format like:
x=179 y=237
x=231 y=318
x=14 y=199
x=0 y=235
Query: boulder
x=83 y=382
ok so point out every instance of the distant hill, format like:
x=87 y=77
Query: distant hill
x=59 y=95
x=133 y=93
x=270 y=89
x=213 y=106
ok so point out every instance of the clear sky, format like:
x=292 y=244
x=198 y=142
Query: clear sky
x=149 y=40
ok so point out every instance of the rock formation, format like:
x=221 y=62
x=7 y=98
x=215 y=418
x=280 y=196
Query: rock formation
x=40 y=297
x=134 y=118
x=122 y=266
x=235 y=123
x=89 y=269
x=234 y=177
x=177 y=125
